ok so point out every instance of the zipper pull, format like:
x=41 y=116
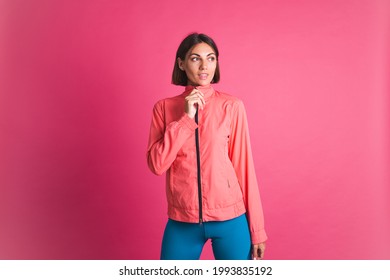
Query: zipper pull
x=200 y=221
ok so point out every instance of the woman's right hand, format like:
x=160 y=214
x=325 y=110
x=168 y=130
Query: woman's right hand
x=193 y=100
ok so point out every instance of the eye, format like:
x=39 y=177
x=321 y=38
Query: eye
x=194 y=58
x=212 y=58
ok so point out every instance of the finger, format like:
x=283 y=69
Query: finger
x=196 y=100
x=261 y=253
x=202 y=100
x=263 y=247
x=196 y=94
x=195 y=90
x=199 y=95
x=193 y=99
x=255 y=253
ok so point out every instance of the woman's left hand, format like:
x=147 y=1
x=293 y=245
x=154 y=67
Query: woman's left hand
x=258 y=251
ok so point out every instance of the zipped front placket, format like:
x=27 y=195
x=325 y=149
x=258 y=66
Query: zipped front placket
x=198 y=165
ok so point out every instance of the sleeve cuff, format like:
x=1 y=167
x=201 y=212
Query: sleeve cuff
x=186 y=121
x=258 y=237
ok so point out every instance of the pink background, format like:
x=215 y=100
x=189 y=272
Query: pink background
x=78 y=80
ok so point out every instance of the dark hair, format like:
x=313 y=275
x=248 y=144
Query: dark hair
x=179 y=77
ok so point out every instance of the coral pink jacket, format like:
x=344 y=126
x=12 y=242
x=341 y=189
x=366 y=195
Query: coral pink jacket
x=210 y=175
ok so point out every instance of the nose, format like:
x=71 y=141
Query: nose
x=203 y=65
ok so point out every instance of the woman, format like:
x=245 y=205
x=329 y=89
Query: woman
x=200 y=139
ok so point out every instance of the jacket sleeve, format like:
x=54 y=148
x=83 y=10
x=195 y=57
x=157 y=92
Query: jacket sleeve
x=166 y=140
x=240 y=154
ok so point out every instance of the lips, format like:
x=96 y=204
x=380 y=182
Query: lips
x=203 y=76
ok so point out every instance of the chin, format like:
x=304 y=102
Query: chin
x=204 y=83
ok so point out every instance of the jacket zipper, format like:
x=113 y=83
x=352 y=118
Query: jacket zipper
x=198 y=165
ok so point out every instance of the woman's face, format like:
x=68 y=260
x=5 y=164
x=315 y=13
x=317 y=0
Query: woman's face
x=199 y=64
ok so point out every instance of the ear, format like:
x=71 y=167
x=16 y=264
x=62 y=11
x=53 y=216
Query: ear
x=180 y=63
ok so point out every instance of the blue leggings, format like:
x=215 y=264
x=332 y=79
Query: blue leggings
x=230 y=240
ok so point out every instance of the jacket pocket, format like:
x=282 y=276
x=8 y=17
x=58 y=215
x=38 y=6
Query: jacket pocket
x=183 y=185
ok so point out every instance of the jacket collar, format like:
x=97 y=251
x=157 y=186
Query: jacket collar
x=208 y=91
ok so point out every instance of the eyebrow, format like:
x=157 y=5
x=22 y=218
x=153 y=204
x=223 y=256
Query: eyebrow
x=199 y=55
